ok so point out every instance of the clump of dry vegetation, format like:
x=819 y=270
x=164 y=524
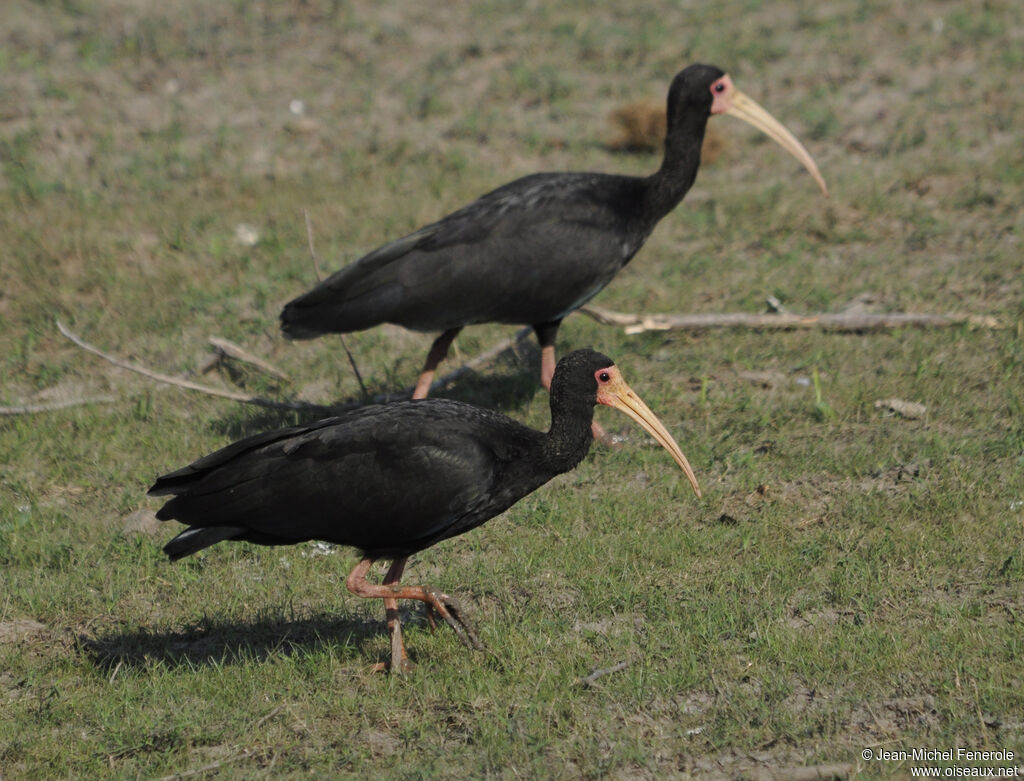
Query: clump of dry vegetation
x=640 y=127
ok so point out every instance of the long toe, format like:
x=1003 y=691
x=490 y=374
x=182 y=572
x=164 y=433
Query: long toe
x=405 y=666
x=450 y=610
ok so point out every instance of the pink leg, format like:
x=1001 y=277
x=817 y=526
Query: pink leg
x=438 y=350
x=391 y=591
x=546 y=333
x=547 y=366
x=392 y=577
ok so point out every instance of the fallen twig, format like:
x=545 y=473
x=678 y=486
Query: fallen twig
x=232 y=350
x=188 y=384
x=829 y=321
x=312 y=249
x=380 y=398
x=319 y=278
x=590 y=679
x=30 y=409
x=269 y=716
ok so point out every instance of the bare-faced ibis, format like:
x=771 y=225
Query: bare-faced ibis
x=534 y=250
x=395 y=479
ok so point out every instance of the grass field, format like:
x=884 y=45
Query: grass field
x=851 y=580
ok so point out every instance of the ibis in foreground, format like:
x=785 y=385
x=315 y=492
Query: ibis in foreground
x=532 y=251
x=391 y=480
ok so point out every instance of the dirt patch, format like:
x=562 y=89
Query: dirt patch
x=817 y=619
x=19 y=629
x=142 y=522
x=765 y=764
x=816 y=494
x=883 y=720
x=612 y=626
x=379 y=742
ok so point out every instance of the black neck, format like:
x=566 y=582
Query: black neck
x=670 y=183
x=569 y=438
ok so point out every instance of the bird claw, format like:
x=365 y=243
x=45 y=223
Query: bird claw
x=450 y=610
x=430 y=613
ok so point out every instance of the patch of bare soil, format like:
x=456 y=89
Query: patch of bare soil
x=881 y=721
x=812 y=497
x=816 y=619
x=142 y=522
x=765 y=764
x=18 y=629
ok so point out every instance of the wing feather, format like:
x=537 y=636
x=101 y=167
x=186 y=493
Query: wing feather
x=392 y=477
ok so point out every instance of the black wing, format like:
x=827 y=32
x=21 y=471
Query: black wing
x=388 y=480
x=530 y=251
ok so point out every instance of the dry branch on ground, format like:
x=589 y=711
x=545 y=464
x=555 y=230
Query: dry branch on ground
x=828 y=321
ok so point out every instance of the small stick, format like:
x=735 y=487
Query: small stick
x=312 y=250
x=270 y=715
x=165 y=378
x=380 y=398
x=319 y=277
x=30 y=409
x=615 y=668
x=232 y=350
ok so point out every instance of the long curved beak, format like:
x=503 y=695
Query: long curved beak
x=750 y=111
x=616 y=393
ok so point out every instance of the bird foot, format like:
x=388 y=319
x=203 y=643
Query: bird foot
x=403 y=666
x=430 y=613
x=400 y=662
x=450 y=610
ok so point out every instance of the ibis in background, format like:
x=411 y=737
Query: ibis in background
x=391 y=480
x=532 y=251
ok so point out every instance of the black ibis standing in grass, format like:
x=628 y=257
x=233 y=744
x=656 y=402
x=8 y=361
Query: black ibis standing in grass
x=394 y=479
x=532 y=251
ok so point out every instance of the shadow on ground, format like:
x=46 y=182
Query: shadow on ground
x=508 y=383
x=217 y=643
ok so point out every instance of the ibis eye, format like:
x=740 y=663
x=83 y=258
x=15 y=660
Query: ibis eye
x=604 y=376
x=719 y=87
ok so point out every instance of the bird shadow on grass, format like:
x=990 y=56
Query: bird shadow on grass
x=215 y=643
x=512 y=389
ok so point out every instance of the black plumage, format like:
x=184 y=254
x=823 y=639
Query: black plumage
x=393 y=479
x=531 y=251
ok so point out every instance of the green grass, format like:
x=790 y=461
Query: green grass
x=850 y=579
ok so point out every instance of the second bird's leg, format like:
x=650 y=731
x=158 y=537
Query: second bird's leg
x=546 y=333
x=438 y=350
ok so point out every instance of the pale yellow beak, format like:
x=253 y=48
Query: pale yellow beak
x=751 y=112
x=616 y=393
